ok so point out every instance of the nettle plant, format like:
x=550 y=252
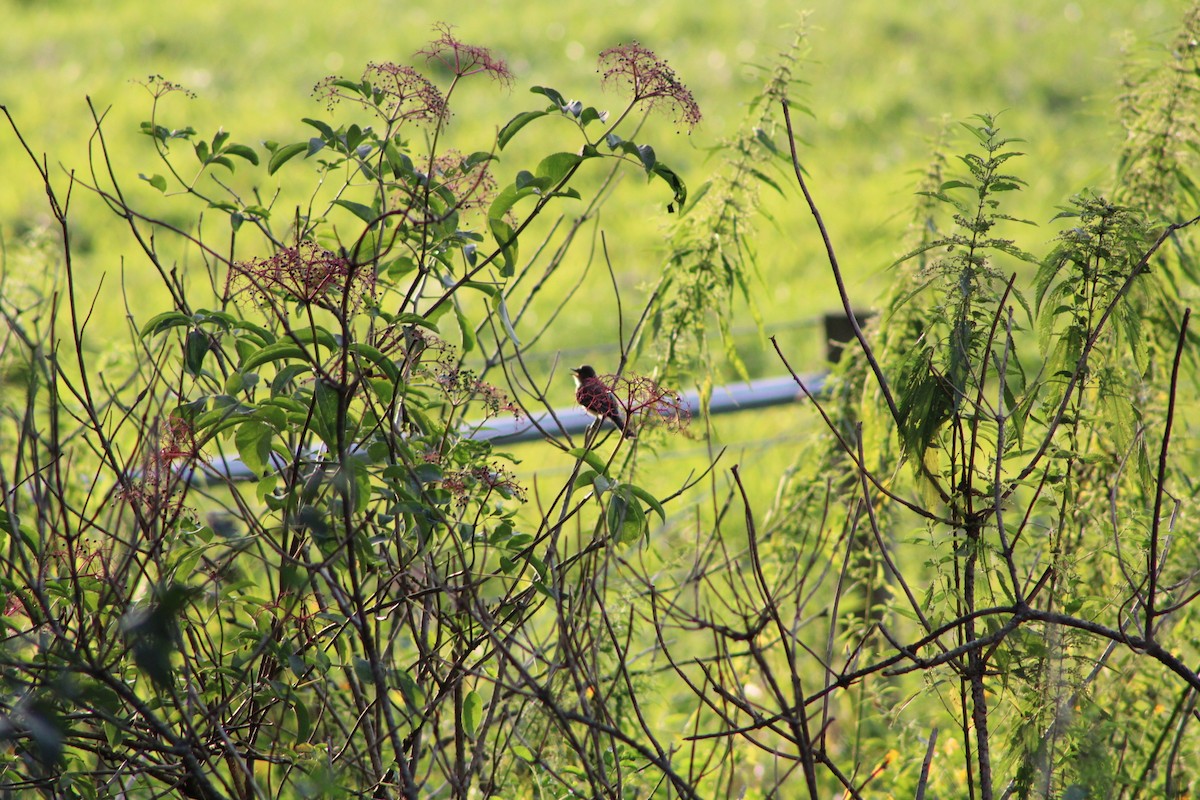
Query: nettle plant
x=369 y=614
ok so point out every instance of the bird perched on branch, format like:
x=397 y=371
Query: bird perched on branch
x=598 y=399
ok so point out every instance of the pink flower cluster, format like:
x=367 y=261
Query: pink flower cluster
x=463 y=59
x=647 y=403
x=399 y=93
x=651 y=80
x=306 y=273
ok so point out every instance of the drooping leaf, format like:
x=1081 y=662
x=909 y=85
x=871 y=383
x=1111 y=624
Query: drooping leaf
x=363 y=212
x=165 y=321
x=516 y=124
x=284 y=154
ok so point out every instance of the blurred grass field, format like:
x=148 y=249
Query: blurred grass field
x=882 y=79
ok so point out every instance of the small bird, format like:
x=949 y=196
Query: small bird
x=598 y=400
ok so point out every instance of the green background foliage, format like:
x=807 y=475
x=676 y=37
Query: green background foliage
x=882 y=79
x=976 y=532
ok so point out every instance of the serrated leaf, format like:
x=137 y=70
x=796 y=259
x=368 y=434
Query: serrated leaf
x=955 y=184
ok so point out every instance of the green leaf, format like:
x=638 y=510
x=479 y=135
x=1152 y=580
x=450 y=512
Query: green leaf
x=317 y=335
x=557 y=166
x=646 y=154
x=527 y=180
x=955 y=184
x=155 y=180
x=285 y=154
x=590 y=115
x=553 y=94
x=591 y=458
x=602 y=484
x=467 y=330
x=303 y=721
x=585 y=479
x=365 y=213
x=625 y=518
x=260 y=334
x=647 y=498
x=165 y=321
x=376 y=357
x=768 y=180
x=326 y=131
x=515 y=124
x=414 y=698
x=253 y=442
x=674 y=181
x=507 y=241
x=195 y=348
x=275 y=352
x=472 y=712
x=242 y=151
x=490 y=289
x=507 y=198
x=325 y=409
x=505 y=320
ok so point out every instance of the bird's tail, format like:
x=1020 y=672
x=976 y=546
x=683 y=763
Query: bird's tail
x=625 y=426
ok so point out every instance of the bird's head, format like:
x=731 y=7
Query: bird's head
x=583 y=373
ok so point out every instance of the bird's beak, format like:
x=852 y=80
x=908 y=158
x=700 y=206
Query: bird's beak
x=575 y=370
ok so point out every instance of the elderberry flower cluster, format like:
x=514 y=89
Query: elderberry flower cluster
x=462 y=60
x=305 y=273
x=396 y=91
x=650 y=79
x=647 y=403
